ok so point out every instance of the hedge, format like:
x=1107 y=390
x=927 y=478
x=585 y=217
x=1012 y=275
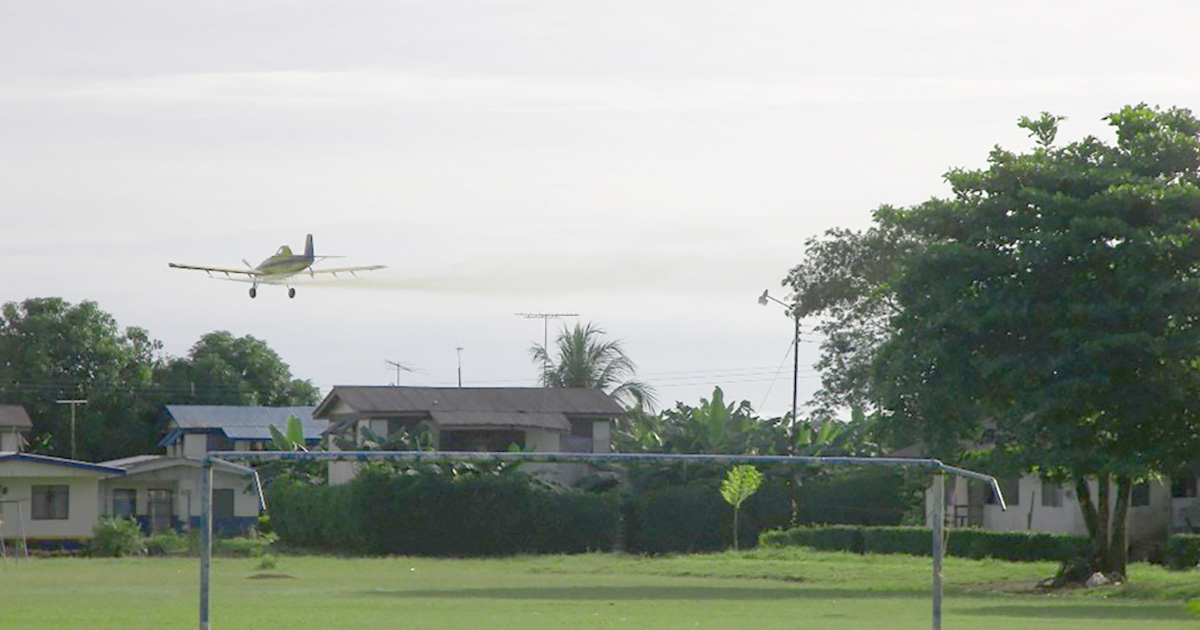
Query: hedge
x=693 y=517
x=965 y=543
x=383 y=512
x=1182 y=551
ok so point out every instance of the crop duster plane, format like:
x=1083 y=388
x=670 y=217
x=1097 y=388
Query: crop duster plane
x=279 y=269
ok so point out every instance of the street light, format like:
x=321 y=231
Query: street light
x=795 y=313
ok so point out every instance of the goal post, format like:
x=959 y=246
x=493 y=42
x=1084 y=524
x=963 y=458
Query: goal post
x=223 y=459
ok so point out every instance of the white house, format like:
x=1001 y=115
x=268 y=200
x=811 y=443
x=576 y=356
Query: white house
x=49 y=501
x=1036 y=505
x=163 y=493
x=548 y=420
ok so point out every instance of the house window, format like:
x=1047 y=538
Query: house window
x=222 y=505
x=124 y=503
x=1051 y=494
x=50 y=503
x=1011 y=487
x=218 y=442
x=1139 y=496
x=1183 y=487
x=496 y=441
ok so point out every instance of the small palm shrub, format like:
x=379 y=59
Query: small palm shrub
x=116 y=537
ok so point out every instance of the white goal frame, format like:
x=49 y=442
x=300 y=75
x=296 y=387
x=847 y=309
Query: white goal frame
x=938 y=469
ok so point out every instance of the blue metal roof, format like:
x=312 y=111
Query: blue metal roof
x=239 y=423
x=59 y=461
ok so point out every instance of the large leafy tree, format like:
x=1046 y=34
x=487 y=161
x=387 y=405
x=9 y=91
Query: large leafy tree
x=221 y=369
x=52 y=350
x=843 y=284
x=1051 y=310
x=583 y=357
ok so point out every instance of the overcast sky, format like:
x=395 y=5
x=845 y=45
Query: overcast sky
x=651 y=166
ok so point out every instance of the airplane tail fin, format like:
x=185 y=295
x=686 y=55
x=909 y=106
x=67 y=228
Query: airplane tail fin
x=308 y=247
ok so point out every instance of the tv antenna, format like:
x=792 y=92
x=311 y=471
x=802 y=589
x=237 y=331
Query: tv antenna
x=546 y=317
x=399 y=366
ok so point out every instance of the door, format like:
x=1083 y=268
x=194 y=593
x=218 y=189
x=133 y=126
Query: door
x=160 y=510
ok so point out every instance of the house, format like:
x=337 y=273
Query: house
x=197 y=429
x=45 y=501
x=14 y=422
x=1037 y=505
x=488 y=419
x=163 y=493
x=49 y=501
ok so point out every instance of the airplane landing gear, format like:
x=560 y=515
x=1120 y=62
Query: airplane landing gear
x=253 y=292
x=291 y=292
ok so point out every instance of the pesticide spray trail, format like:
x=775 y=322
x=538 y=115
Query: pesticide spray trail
x=541 y=279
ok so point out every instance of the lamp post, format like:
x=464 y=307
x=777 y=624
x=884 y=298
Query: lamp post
x=795 y=313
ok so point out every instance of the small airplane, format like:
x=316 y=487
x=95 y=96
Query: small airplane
x=279 y=269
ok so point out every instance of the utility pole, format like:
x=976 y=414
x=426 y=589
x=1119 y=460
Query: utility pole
x=546 y=317
x=73 y=404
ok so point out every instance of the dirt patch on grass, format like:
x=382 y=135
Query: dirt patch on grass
x=271 y=576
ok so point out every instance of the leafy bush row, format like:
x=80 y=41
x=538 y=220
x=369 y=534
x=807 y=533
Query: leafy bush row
x=118 y=537
x=966 y=543
x=1182 y=551
x=383 y=512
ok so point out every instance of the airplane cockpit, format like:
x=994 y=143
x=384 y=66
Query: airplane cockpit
x=284 y=250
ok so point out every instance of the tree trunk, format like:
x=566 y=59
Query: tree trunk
x=1096 y=516
x=1119 y=548
x=735 y=528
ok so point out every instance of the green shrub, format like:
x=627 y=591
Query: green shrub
x=267 y=562
x=169 y=543
x=916 y=541
x=864 y=496
x=116 y=537
x=676 y=518
x=244 y=546
x=385 y=511
x=1182 y=551
x=821 y=537
x=966 y=543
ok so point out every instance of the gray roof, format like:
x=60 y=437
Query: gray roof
x=15 y=416
x=241 y=423
x=460 y=408
x=63 y=462
x=387 y=399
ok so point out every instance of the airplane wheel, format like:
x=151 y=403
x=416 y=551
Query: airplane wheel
x=291 y=292
x=253 y=292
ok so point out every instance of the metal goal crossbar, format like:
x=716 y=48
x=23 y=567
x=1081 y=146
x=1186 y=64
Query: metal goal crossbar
x=938 y=469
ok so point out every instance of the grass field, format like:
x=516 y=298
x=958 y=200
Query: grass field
x=763 y=589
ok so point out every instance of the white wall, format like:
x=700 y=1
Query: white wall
x=83 y=501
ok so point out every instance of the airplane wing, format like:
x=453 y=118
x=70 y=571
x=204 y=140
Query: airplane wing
x=229 y=273
x=336 y=270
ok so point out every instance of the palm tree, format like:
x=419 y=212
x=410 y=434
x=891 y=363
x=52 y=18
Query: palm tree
x=585 y=359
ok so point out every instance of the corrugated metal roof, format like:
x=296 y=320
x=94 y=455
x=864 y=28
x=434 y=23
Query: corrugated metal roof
x=15 y=416
x=244 y=423
x=387 y=399
x=59 y=461
x=506 y=419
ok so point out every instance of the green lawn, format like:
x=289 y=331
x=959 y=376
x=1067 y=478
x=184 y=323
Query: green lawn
x=763 y=589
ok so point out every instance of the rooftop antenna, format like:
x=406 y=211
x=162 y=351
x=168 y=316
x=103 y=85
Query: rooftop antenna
x=546 y=317
x=459 y=350
x=399 y=366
